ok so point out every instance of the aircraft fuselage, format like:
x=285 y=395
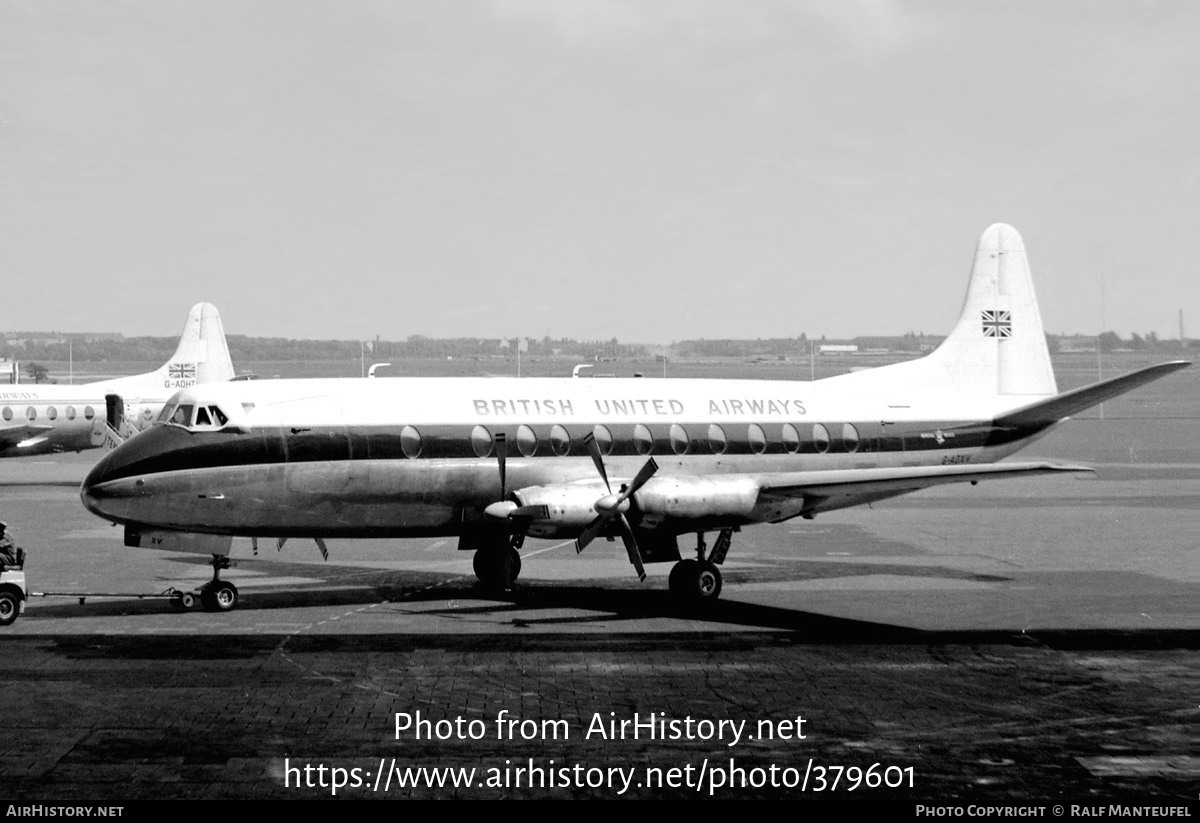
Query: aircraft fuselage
x=410 y=457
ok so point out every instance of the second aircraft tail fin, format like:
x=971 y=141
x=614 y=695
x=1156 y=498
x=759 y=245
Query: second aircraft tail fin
x=202 y=355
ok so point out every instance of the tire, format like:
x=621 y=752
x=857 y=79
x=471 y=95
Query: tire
x=681 y=574
x=219 y=597
x=484 y=570
x=490 y=567
x=695 y=582
x=10 y=607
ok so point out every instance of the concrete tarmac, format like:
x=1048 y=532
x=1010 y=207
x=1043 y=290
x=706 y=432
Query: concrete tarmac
x=1028 y=642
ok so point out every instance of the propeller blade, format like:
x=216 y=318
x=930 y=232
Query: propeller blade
x=590 y=533
x=644 y=473
x=501 y=457
x=594 y=450
x=631 y=547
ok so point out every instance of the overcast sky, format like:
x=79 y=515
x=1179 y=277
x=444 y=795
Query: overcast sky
x=650 y=171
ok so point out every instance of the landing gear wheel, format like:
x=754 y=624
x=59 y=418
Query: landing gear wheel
x=10 y=607
x=219 y=596
x=497 y=568
x=708 y=583
x=681 y=573
x=695 y=581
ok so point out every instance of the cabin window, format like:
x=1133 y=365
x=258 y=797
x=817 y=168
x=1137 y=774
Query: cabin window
x=481 y=441
x=88 y=412
x=757 y=438
x=791 y=438
x=8 y=412
x=31 y=413
x=52 y=413
x=410 y=442
x=849 y=438
x=604 y=438
x=527 y=441
x=716 y=439
x=820 y=438
x=643 y=440
x=560 y=440
x=70 y=412
x=679 y=439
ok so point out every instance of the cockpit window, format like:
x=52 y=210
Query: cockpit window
x=192 y=416
x=209 y=417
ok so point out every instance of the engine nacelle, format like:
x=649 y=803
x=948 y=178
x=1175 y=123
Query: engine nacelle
x=569 y=509
x=697 y=499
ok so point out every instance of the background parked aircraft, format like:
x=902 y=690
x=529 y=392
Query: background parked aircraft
x=35 y=419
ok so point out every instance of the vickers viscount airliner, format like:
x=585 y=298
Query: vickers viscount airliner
x=493 y=461
x=36 y=419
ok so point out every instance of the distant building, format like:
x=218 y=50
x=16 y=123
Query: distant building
x=22 y=338
x=837 y=348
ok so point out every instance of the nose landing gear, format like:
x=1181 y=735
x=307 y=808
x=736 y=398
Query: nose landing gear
x=215 y=596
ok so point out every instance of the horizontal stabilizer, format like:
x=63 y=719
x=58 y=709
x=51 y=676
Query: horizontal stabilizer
x=1045 y=412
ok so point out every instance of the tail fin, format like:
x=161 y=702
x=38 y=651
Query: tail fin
x=998 y=346
x=202 y=355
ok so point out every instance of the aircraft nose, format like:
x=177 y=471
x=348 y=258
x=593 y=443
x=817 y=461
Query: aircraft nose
x=117 y=477
x=96 y=491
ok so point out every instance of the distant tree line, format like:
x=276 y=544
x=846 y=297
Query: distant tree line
x=114 y=348
x=243 y=348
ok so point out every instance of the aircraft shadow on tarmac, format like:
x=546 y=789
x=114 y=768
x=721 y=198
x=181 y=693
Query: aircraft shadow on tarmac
x=534 y=604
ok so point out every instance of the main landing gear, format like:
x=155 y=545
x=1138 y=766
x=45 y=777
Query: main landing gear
x=699 y=580
x=497 y=566
x=216 y=596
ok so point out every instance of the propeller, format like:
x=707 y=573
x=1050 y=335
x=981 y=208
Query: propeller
x=613 y=506
x=505 y=509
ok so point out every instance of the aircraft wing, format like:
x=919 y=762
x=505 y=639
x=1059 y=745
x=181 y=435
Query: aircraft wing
x=828 y=490
x=16 y=435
